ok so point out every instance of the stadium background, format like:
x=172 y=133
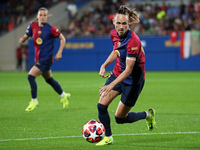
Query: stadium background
x=173 y=93
x=87 y=34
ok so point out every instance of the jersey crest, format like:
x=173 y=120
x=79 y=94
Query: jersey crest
x=39 y=41
x=118 y=44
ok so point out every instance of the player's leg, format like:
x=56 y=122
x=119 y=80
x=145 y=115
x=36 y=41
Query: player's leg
x=130 y=94
x=56 y=86
x=33 y=73
x=104 y=116
x=128 y=99
x=103 y=112
x=51 y=81
x=123 y=115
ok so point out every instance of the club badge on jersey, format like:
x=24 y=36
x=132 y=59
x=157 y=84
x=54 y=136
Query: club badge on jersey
x=118 y=44
x=39 y=41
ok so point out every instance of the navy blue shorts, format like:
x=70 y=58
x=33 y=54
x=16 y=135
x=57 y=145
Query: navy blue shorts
x=130 y=93
x=43 y=65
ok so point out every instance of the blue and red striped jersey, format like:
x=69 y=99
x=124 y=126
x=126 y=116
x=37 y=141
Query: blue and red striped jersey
x=43 y=40
x=129 y=46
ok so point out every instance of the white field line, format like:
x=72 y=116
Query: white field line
x=63 y=137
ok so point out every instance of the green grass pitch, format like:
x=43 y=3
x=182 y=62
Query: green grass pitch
x=174 y=95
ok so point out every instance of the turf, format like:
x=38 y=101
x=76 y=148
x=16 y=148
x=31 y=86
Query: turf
x=174 y=96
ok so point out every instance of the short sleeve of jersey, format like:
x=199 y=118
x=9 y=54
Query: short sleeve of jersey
x=54 y=31
x=29 y=31
x=133 y=47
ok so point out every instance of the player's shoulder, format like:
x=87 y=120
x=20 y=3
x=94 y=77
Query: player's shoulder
x=113 y=34
x=134 y=37
x=34 y=24
x=53 y=27
x=113 y=31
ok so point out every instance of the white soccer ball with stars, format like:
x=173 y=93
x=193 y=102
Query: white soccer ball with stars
x=93 y=131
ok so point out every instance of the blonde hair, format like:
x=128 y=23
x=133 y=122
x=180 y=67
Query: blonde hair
x=132 y=14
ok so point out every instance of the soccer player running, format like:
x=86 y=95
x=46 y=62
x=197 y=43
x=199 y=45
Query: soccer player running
x=127 y=78
x=43 y=35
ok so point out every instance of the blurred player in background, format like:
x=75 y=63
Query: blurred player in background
x=128 y=75
x=43 y=35
x=19 y=57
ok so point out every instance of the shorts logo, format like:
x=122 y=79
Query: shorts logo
x=117 y=52
x=39 y=41
x=110 y=73
x=38 y=63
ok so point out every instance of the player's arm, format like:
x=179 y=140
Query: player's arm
x=130 y=62
x=111 y=58
x=62 y=44
x=23 y=38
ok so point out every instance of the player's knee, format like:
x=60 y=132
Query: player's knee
x=102 y=108
x=30 y=78
x=119 y=120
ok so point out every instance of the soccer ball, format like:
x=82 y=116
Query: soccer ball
x=93 y=131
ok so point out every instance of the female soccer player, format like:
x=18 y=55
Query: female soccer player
x=43 y=35
x=127 y=78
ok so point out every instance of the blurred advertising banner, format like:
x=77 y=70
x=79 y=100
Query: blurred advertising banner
x=162 y=53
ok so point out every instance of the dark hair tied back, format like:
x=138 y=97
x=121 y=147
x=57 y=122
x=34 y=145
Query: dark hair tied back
x=133 y=16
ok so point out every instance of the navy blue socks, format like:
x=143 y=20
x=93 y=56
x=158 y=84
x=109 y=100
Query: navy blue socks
x=104 y=118
x=33 y=86
x=55 y=85
x=132 y=117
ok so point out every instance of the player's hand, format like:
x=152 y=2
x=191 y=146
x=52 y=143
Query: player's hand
x=58 y=56
x=105 y=90
x=21 y=40
x=102 y=71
